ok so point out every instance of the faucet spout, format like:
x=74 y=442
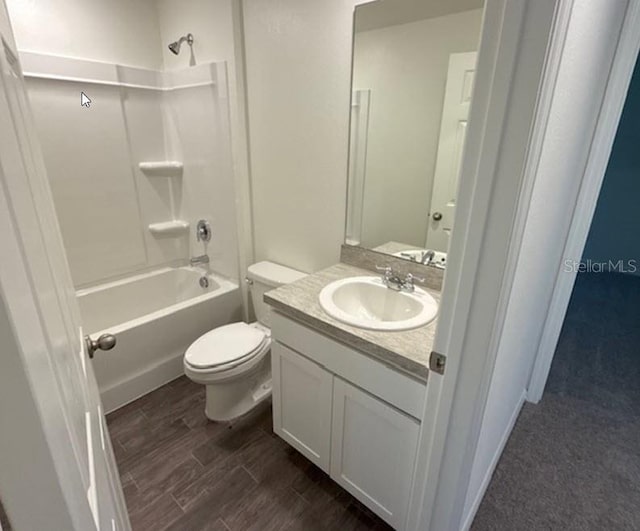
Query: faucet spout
x=427 y=257
x=395 y=282
x=202 y=259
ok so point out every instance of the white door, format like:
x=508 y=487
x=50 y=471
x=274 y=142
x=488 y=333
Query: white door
x=366 y=431
x=453 y=131
x=34 y=273
x=302 y=393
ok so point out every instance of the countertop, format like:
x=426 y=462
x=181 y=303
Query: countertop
x=395 y=247
x=407 y=351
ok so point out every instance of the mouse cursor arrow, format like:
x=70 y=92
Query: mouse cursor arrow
x=84 y=100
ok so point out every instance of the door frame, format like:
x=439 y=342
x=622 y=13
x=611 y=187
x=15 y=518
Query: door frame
x=455 y=402
x=585 y=203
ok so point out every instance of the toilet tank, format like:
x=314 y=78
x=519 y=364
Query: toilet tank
x=263 y=277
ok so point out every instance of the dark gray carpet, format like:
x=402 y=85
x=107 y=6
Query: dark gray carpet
x=573 y=461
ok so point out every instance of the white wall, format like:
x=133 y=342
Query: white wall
x=114 y=31
x=298 y=79
x=405 y=66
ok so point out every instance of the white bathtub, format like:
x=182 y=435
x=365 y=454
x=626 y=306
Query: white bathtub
x=155 y=317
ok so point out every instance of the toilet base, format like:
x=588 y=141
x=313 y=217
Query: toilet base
x=230 y=399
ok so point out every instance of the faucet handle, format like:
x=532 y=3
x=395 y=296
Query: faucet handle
x=410 y=278
x=386 y=271
x=203 y=231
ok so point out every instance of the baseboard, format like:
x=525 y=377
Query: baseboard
x=494 y=462
x=140 y=384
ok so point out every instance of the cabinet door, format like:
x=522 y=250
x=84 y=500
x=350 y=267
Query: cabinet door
x=373 y=451
x=302 y=395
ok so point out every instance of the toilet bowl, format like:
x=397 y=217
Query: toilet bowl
x=233 y=361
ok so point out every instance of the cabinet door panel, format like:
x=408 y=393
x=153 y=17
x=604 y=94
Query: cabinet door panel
x=302 y=396
x=373 y=451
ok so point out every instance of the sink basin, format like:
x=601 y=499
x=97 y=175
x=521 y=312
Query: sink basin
x=366 y=302
x=415 y=255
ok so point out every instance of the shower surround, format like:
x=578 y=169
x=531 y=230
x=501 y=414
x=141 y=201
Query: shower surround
x=131 y=175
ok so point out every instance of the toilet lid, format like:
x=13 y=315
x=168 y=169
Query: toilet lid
x=224 y=345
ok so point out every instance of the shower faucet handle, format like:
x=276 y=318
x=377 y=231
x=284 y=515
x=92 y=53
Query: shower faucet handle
x=203 y=231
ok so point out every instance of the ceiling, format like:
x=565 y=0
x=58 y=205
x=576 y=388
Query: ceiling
x=382 y=13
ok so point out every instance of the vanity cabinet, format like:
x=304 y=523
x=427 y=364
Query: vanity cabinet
x=373 y=448
x=302 y=408
x=327 y=405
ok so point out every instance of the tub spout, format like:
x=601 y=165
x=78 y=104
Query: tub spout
x=202 y=259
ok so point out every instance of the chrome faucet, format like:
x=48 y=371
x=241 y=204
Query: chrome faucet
x=409 y=282
x=427 y=257
x=202 y=259
x=203 y=234
x=389 y=278
x=394 y=281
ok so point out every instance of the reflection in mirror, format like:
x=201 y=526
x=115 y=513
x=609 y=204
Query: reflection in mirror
x=413 y=71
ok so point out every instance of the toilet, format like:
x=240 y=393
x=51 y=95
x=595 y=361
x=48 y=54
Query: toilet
x=233 y=360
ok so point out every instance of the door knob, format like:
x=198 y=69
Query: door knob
x=104 y=342
x=437 y=216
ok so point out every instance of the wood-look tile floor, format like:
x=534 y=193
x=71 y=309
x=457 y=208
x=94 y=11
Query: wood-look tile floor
x=182 y=472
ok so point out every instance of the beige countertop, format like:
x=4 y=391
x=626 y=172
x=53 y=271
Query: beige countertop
x=407 y=351
x=395 y=247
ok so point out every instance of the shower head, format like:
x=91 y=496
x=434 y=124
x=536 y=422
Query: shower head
x=175 y=46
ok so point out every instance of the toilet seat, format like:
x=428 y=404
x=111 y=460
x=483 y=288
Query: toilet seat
x=226 y=347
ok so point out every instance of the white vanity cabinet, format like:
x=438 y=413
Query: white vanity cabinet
x=302 y=416
x=351 y=415
x=373 y=448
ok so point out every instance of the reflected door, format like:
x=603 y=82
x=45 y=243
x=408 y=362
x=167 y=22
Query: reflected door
x=453 y=131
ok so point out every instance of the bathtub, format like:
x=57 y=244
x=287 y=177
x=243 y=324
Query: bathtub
x=155 y=316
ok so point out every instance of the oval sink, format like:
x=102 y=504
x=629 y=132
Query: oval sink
x=366 y=302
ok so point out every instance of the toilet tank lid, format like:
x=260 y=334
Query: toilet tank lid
x=273 y=274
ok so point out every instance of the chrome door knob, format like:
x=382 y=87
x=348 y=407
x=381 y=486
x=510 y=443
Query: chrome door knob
x=437 y=216
x=104 y=342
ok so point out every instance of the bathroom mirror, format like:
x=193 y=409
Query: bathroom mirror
x=413 y=71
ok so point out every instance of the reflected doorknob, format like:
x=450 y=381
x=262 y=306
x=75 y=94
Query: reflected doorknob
x=104 y=342
x=437 y=216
